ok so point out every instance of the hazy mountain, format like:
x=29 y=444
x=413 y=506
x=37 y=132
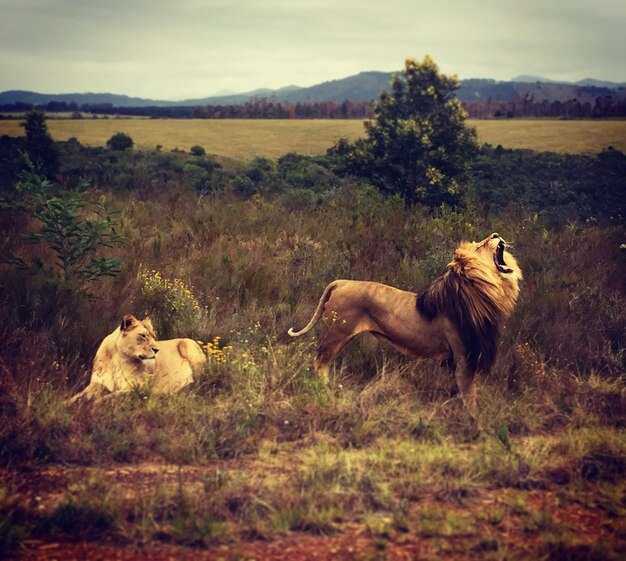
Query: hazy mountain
x=600 y=83
x=364 y=86
x=529 y=79
x=480 y=89
x=233 y=99
x=19 y=96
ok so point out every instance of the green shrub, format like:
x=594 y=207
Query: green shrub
x=197 y=150
x=120 y=142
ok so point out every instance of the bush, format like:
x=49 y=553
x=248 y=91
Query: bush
x=120 y=141
x=170 y=304
x=197 y=150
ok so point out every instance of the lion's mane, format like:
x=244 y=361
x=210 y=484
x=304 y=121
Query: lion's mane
x=476 y=300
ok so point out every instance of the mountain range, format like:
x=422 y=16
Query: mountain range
x=364 y=86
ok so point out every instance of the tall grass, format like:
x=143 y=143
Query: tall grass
x=247 y=270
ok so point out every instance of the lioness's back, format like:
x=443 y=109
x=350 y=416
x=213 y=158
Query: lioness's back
x=176 y=362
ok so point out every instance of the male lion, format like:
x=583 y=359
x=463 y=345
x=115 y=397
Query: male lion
x=457 y=318
x=132 y=356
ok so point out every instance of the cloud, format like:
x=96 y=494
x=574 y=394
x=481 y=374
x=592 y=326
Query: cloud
x=191 y=48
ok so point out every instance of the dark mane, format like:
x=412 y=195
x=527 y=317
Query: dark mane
x=472 y=311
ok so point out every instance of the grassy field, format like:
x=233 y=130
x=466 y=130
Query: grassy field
x=244 y=139
x=259 y=459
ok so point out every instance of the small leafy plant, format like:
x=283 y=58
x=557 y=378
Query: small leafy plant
x=64 y=222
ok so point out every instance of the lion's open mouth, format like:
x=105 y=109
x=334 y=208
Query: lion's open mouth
x=498 y=258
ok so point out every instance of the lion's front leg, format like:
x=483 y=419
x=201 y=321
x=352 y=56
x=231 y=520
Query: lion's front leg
x=464 y=375
x=466 y=381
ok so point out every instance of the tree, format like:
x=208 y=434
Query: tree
x=41 y=149
x=417 y=144
x=120 y=141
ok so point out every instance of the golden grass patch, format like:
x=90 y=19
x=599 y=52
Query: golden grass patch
x=244 y=139
x=543 y=135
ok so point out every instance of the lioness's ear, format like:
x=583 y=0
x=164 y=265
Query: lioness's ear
x=128 y=322
x=148 y=323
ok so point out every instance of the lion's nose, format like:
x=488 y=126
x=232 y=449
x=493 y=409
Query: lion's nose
x=155 y=350
x=495 y=236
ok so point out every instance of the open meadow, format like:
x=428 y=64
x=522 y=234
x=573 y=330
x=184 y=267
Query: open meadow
x=244 y=139
x=259 y=458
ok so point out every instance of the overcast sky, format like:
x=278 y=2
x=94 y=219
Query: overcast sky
x=181 y=49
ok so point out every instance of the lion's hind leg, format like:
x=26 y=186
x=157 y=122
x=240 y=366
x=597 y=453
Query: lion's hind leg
x=191 y=351
x=333 y=339
x=325 y=356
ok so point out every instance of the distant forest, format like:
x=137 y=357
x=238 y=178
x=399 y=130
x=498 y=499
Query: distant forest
x=268 y=108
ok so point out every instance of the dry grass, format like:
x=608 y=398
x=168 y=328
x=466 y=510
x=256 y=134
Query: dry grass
x=245 y=139
x=544 y=135
x=239 y=139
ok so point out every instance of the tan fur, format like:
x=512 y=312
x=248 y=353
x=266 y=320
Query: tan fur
x=131 y=356
x=456 y=318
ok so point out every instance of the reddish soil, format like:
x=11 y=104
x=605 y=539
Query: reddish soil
x=577 y=524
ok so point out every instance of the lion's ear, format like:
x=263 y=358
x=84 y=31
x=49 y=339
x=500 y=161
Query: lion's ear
x=148 y=323
x=128 y=322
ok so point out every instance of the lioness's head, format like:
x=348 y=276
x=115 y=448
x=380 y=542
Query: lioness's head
x=137 y=340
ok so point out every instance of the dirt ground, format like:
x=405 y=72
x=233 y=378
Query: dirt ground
x=582 y=527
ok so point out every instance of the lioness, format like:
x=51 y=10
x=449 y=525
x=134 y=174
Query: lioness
x=131 y=356
x=457 y=318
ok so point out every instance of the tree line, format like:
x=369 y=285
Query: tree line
x=255 y=108
x=270 y=108
x=602 y=107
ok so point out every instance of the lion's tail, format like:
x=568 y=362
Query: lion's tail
x=318 y=312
